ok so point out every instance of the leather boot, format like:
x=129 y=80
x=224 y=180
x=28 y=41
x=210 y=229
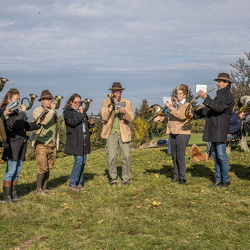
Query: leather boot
x=45 y=181
x=39 y=180
x=182 y=181
x=215 y=184
x=15 y=196
x=7 y=189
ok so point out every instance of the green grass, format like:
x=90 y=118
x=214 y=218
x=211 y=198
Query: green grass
x=149 y=214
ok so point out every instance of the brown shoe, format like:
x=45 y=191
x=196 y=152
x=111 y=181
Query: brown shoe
x=73 y=188
x=80 y=188
x=40 y=192
x=47 y=191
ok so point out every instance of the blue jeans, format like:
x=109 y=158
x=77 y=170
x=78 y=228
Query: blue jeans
x=76 y=177
x=13 y=169
x=169 y=147
x=221 y=161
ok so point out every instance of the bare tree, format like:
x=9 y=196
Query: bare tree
x=241 y=77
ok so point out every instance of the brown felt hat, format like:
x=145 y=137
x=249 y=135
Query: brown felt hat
x=224 y=77
x=45 y=95
x=116 y=86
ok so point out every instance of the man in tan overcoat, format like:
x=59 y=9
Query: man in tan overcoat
x=117 y=115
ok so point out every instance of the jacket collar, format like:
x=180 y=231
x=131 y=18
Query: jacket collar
x=222 y=91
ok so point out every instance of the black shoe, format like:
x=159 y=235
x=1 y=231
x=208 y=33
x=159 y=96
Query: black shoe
x=182 y=181
x=225 y=183
x=113 y=183
x=215 y=184
x=174 y=180
x=126 y=183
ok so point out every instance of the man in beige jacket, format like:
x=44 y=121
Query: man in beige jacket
x=117 y=115
x=46 y=139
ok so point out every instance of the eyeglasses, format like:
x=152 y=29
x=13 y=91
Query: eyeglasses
x=77 y=102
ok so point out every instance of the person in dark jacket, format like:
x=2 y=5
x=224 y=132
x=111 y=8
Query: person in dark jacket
x=77 y=139
x=235 y=126
x=217 y=113
x=16 y=125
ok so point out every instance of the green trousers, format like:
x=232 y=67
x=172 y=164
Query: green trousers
x=114 y=143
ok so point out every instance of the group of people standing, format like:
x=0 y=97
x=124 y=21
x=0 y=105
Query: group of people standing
x=117 y=115
x=217 y=113
x=45 y=138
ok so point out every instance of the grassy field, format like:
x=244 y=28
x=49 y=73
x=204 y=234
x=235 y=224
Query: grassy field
x=148 y=214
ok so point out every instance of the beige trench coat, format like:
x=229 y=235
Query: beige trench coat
x=124 y=120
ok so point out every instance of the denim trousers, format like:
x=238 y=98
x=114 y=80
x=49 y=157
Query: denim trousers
x=76 y=177
x=13 y=170
x=169 y=146
x=114 y=142
x=221 y=161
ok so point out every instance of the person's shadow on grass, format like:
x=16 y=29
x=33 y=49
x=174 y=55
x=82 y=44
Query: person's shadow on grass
x=240 y=171
x=200 y=170
x=166 y=170
x=25 y=188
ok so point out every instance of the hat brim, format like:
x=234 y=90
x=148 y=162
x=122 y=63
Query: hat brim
x=223 y=79
x=116 y=89
x=45 y=97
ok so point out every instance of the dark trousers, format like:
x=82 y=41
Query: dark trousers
x=178 y=148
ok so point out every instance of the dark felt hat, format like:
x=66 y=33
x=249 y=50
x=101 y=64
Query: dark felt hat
x=116 y=86
x=45 y=94
x=224 y=77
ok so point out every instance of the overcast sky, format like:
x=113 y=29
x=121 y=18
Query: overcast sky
x=84 y=46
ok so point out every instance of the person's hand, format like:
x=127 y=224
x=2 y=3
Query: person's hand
x=121 y=109
x=169 y=105
x=202 y=94
x=242 y=116
x=53 y=106
x=7 y=112
x=81 y=109
x=157 y=119
x=190 y=116
x=23 y=107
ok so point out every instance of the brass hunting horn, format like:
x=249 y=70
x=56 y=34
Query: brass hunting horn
x=57 y=101
x=157 y=110
x=87 y=103
x=31 y=101
x=244 y=104
x=112 y=98
x=2 y=83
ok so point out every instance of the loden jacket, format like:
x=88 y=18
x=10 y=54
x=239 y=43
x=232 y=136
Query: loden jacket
x=124 y=120
x=16 y=126
x=217 y=113
x=36 y=113
x=78 y=143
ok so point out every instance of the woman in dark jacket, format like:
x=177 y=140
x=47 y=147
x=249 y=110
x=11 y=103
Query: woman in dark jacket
x=77 y=139
x=16 y=125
